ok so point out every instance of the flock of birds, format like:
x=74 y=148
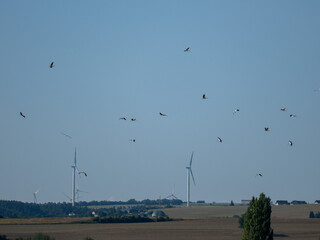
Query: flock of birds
x=204 y=97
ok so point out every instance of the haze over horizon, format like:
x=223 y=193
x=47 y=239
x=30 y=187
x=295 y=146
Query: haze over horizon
x=118 y=59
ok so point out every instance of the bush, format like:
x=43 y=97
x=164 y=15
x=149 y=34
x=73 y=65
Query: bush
x=311 y=214
x=3 y=237
x=241 y=220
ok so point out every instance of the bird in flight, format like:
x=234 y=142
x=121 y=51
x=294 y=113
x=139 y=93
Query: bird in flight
x=219 y=140
x=122 y=118
x=283 y=109
x=204 y=96
x=235 y=111
x=66 y=135
x=187 y=49
x=293 y=115
x=83 y=173
x=51 y=65
x=258 y=175
x=162 y=114
x=266 y=129
x=21 y=114
x=133 y=119
x=290 y=143
x=132 y=140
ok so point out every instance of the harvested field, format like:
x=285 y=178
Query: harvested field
x=288 y=222
x=287 y=211
x=214 y=228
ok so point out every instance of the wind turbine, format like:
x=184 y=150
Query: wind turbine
x=35 y=200
x=189 y=171
x=74 y=167
x=172 y=196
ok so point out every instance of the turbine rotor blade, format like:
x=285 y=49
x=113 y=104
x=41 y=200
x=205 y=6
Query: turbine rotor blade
x=192 y=177
x=191 y=159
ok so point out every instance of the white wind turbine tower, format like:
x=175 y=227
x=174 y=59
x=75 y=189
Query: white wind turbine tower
x=74 y=167
x=189 y=171
x=35 y=196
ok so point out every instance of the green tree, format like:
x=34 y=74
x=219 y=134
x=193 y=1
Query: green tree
x=311 y=214
x=257 y=223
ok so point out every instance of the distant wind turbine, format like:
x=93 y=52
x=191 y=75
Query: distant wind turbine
x=35 y=200
x=189 y=171
x=172 y=196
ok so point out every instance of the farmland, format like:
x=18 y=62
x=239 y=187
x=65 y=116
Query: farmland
x=289 y=222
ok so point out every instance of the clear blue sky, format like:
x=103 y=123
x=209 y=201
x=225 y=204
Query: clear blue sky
x=125 y=59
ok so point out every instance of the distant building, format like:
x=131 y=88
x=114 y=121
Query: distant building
x=317 y=202
x=281 y=202
x=245 y=202
x=201 y=201
x=295 y=202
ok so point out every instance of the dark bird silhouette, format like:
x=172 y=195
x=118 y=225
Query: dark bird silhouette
x=290 y=143
x=235 y=111
x=162 y=114
x=219 y=140
x=51 y=65
x=66 y=135
x=266 y=129
x=83 y=173
x=204 y=96
x=133 y=119
x=122 y=118
x=283 y=109
x=132 y=140
x=187 y=49
x=21 y=114
x=293 y=115
x=258 y=175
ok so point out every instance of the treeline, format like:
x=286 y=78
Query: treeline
x=16 y=209
x=147 y=202
x=129 y=219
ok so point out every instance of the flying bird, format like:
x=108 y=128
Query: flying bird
x=132 y=140
x=219 y=140
x=51 y=65
x=266 y=129
x=21 y=114
x=258 y=175
x=83 y=173
x=66 y=135
x=283 y=109
x=162 y=114
x=204 y=96
x=122 y=118
x=235 y=111
x=293 y=115
x=290 y=143
x=133 y=119
x=187 y=49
